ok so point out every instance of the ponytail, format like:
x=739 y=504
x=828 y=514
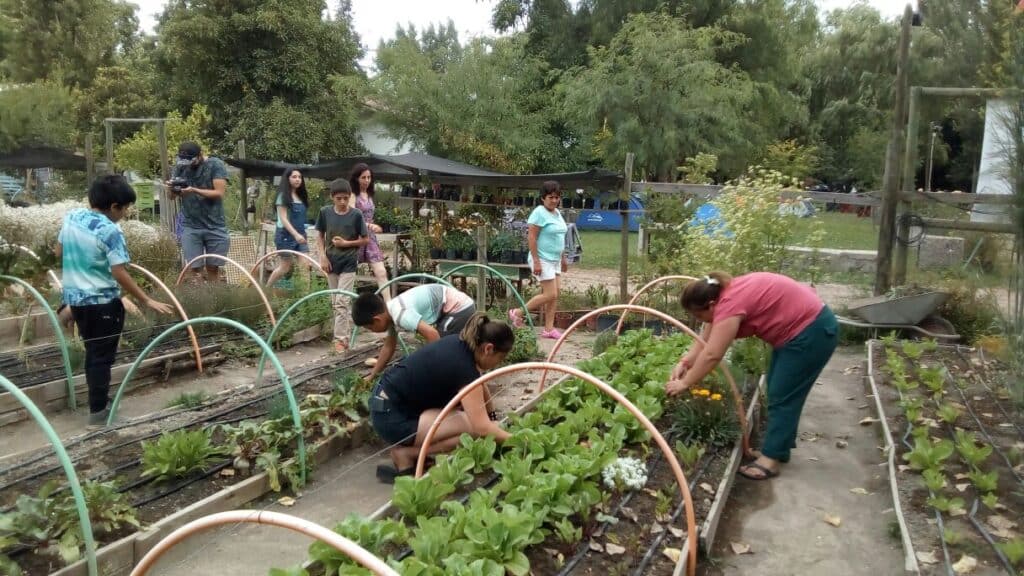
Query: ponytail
x=480 y=330
x=700 y=294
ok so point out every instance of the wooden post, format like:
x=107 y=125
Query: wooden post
x=481 y=274
x=891 y=180
x=108 y=128
x=168 y=205
x=908 y=183
x=90 y=161
x=244 y=193
x=161 y=134
x=624 y=262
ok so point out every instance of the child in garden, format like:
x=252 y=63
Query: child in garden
x=432 y=310
x=342 y=232
x=94 y=258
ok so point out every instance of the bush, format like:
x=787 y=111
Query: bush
x=972 y=313
x=525 y=349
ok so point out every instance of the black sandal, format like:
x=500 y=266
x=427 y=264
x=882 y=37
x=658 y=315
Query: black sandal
x=768 y=474
x=387 y=473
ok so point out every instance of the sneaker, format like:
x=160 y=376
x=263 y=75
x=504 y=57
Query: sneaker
x=516 y=317
x=552 y=334
x=98 y=420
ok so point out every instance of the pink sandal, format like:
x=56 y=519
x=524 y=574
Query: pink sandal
x=516 y=317
x=553 y=334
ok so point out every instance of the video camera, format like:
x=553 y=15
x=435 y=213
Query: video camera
x=178 y=184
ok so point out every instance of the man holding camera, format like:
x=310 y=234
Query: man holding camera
x=201 y=184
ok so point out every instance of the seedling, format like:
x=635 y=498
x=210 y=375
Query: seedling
x=934 y=378
x=984 y=482
x=690 y=454
x=912 y=408
x=934 y=479
x=952 y=537
x=189 y=400
x=178 y=454
x=972 y=454
x=948 y=413
x=1014 y=551
x=912 y=350
x=945 y=504
x=990 y=500
x=927 y=454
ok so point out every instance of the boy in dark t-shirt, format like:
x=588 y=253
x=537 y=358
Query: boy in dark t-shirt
x=342 y=232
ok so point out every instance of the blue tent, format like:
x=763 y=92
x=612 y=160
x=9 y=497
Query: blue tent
x=605 y=219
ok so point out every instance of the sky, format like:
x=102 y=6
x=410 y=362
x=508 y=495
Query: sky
x=376 y=20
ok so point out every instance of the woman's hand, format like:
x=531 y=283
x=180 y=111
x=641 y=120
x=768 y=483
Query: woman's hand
x=565 y=264
x=300 y=239
x=674 y=387
x=680 y=369
x=536 y=267
x=375 y=228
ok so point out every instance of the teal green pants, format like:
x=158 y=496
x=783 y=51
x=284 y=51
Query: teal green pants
x=794 y=369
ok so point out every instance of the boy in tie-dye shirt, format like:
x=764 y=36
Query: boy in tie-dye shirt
x=94 y=255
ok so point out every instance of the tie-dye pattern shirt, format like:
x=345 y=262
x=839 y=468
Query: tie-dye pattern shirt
x=91 y=244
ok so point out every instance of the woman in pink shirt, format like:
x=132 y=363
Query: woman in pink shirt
x=790 y=316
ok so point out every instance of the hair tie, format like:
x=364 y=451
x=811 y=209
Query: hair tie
x=711 y=281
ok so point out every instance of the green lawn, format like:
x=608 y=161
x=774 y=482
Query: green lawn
x=602 y=249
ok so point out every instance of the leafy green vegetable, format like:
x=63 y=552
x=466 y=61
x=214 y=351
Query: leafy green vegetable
x=178 y=454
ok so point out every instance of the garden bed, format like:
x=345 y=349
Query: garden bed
x=333 y=422
x=544 y=499
x=957 y=462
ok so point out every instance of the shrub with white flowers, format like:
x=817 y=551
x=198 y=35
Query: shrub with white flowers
x=625 y=472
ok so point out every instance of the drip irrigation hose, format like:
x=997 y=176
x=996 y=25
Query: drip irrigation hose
x=651 y=551
x=988 y=437
x=988 y=538
x=938 y=515
x=583 y=547
x=181 y=485
x=995 y=399
x=300 y=379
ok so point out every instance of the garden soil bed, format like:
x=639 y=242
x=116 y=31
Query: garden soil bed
x=971 y=532
x=116 y=453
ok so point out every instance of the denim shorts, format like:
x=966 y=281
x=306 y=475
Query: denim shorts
x=198 y=241
x=390 y=424
x=283 y=240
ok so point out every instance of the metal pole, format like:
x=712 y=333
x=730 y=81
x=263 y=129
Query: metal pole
x=624 y=247
x=108 y=129
x=891 y=180
x=90 y=161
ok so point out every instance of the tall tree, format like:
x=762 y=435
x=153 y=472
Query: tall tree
x=63 y=40
x=275 y=73
x=659 y=91
x=39 y=113
x=484 y=103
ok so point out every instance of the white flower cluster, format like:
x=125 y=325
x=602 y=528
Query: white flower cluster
x=625 y=472
x=36 y=227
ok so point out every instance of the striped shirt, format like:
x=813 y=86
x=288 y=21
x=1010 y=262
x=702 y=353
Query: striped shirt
x=91 y=244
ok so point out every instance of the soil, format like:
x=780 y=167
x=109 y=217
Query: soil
x=989 y=414
x=117 y=453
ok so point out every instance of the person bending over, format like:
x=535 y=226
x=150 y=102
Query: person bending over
x=409 y=395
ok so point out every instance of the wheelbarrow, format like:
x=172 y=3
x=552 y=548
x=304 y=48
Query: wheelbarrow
x=912 y=313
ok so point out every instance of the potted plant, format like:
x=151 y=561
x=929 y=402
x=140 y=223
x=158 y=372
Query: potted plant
x=588 y=202
x=502 y=247
x=468 y=249
x=452 y=244
x=520 y=252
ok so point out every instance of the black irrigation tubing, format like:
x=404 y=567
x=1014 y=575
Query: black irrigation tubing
x=584 y=547
x=652 y=549
x=983 y=430
x=305 y=377
x=988 y=538
x=181 y=485
x=938 y=515
x=995 y=399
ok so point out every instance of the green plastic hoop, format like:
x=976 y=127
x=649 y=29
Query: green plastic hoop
x=507 y=282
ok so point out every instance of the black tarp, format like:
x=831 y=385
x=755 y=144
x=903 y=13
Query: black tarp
x=42 y=157
x=405 y=167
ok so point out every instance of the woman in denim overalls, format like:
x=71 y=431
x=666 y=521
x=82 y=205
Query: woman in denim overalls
x=292 y=202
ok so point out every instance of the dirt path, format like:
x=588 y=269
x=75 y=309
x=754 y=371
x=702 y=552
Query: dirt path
x=783 y=520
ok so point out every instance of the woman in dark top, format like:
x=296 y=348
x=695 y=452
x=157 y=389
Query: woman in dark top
x=409 y=395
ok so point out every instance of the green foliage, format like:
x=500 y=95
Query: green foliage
x=934 y=479
x=419 y=497
x=708 y=416
x=948 y=413
x=689 y=454
x=189 y=400
x=39 y=113
x=695 y=104
x=754 y=234
x=946 y=504
x=1014 y=551
x=984 y=481
x=790 y=159
x=50 y=522
x=698 y=169
x=141 y=152
x=278 y=74
x=972 y=312
x=927 y=455
x=177 y=454
x=63 y=40
x=374 y=536
x=525 y=347
x=604 y=341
